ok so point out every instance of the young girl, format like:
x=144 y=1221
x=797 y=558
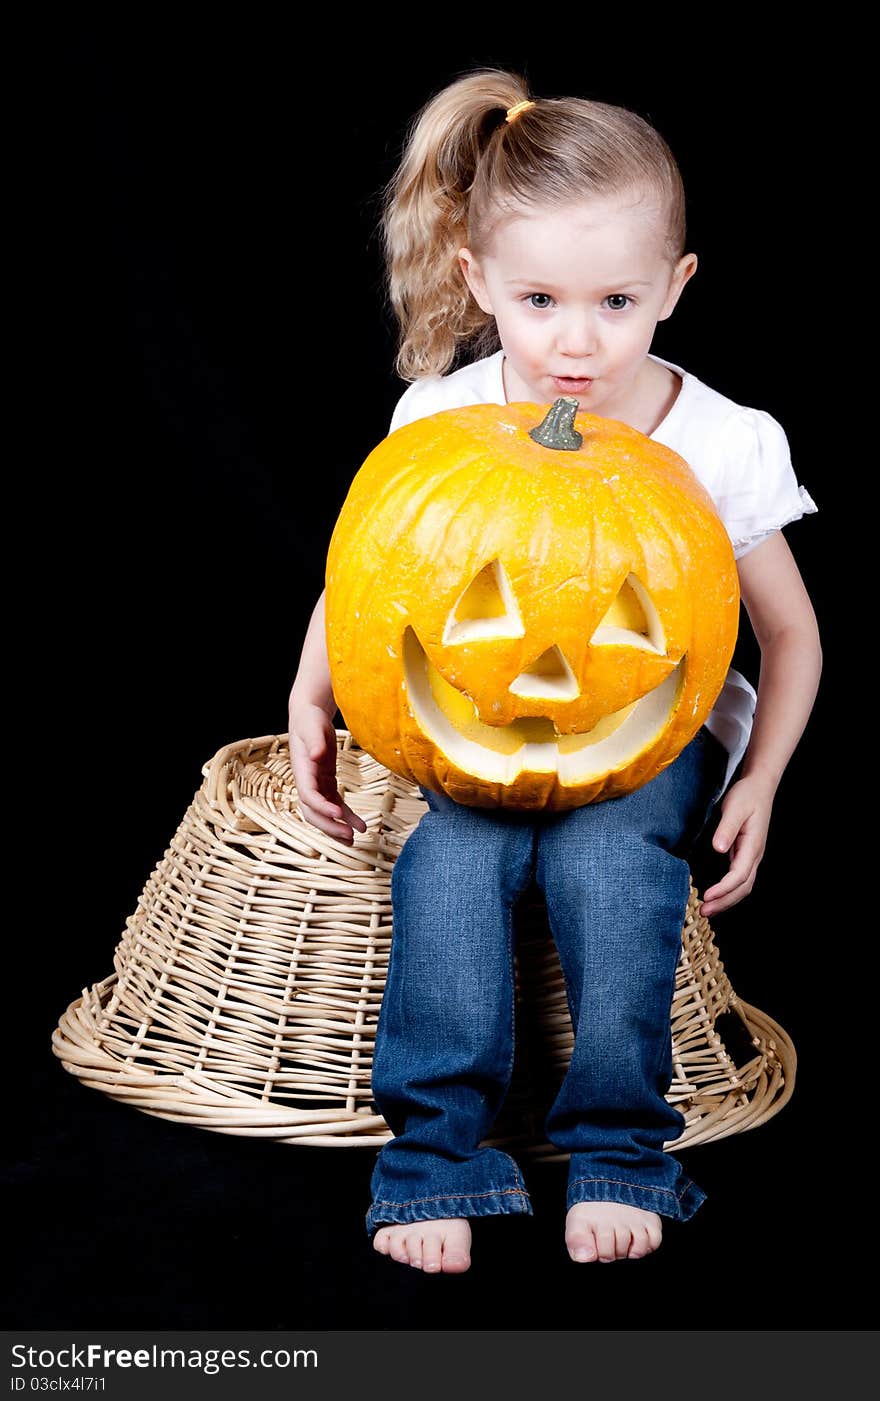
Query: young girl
x=547 y=238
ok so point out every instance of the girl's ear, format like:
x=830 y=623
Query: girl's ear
x=684 y=269
x=473 y=276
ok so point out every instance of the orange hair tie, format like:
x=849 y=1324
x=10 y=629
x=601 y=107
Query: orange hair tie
x=513 y=112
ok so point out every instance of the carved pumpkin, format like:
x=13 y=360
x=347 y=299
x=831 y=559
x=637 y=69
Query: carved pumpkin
x=526 y=614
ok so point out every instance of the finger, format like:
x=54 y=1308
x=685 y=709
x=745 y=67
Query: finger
x=322 y=811
x=747 y=851
x=314 y=799
x=725 y=835
x=744 y=863
x=707 y=911
x=714 y=907
x=725 y=894
x=732 y=828
x=339 y=831
x=732 y=881
x=331 y=801
x=334 y=807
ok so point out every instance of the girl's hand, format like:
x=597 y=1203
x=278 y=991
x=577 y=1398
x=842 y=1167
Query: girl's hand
x=742 y=830
x=313 y=747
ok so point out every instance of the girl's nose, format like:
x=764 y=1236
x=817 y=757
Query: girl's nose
x=578 y=339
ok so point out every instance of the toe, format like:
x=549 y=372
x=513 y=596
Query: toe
x=381 y=1241
x=655 y=1234
x=431 y=1252
x=606 y=1243
x=639 y=1245
x=623 y=1239
x=581 y=1244
x=398 y=1249
x=455 y=1260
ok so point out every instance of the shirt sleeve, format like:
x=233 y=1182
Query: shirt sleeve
x=760 y=492
x=411 y=404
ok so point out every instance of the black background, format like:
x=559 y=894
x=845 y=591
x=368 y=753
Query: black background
x=214 y=364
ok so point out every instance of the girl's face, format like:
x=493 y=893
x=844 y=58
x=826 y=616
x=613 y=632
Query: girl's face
x=576 y=294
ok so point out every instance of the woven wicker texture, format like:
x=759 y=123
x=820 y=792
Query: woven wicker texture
x=248 y=982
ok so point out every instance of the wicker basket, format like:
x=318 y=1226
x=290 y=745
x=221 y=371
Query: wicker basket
x=248 y=982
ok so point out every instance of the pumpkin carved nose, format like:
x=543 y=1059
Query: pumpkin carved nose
x=548 y=678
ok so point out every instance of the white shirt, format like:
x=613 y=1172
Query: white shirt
x=741 y=456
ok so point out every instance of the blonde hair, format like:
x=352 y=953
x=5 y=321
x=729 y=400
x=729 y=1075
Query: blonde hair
x=464 y=167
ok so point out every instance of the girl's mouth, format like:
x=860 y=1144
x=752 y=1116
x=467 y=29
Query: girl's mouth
x=571 y=386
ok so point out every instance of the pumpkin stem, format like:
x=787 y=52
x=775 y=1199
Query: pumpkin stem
x=557 y=430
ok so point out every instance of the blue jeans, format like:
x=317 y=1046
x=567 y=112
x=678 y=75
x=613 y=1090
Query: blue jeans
x=616 y=882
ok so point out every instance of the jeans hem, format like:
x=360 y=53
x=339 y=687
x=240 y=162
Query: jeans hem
x=680 y=1204
x=503 y=1201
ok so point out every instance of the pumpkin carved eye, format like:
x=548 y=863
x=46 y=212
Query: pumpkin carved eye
x=486 y=609
x=632 y=621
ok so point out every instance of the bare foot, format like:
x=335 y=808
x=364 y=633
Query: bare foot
x=433 y=1246
x=611 y=1231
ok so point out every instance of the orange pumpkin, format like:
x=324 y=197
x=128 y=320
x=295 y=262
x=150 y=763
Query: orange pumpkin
x=527 y=614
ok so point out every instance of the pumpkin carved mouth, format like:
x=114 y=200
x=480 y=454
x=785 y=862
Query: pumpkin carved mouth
x=499 y=753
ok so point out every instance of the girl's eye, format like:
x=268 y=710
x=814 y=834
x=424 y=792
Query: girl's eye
x=613 y=296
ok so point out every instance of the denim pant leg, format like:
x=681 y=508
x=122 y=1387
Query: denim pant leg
x=616 y=882
x=444 y=1041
